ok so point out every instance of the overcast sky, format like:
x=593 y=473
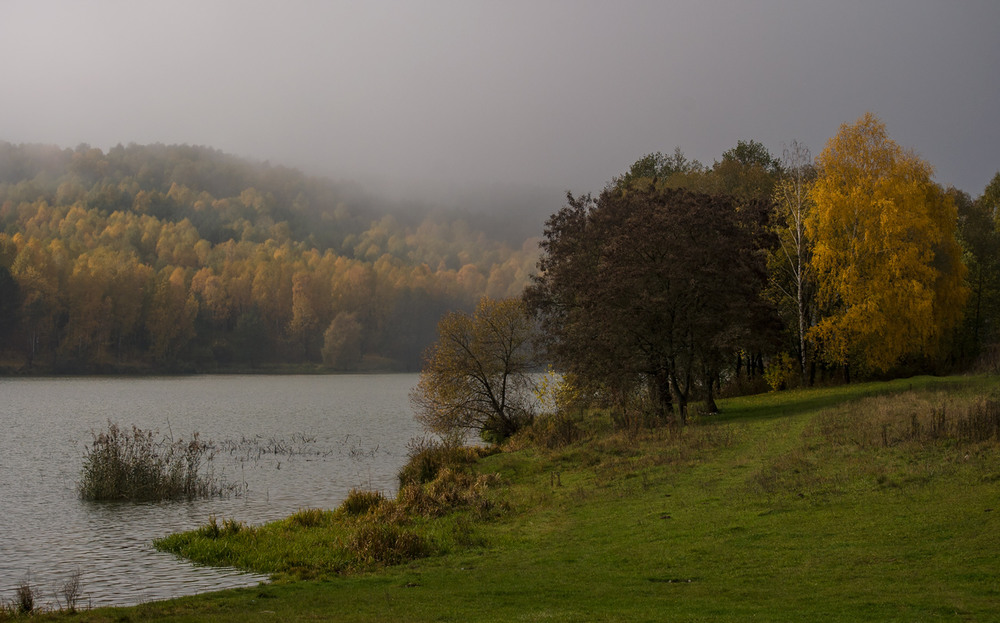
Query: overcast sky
x=463 y=94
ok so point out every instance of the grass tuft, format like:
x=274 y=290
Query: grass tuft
x=361 y=501
x=228 y=528
x=24 y=598
x=381 y=543
x=312 y=518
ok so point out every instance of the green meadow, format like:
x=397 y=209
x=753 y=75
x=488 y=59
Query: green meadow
x=867 y=502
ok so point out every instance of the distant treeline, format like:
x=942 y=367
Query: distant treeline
x=181 y=258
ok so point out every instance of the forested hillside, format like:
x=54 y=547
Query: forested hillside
x=184 y=258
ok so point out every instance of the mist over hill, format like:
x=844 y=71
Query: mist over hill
x=185 y=257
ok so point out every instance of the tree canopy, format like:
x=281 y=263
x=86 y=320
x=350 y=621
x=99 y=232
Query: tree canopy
x=888 y=267
x=649 y=288
x=678 y=279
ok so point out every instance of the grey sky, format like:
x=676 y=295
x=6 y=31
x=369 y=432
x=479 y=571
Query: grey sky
x=548 y=94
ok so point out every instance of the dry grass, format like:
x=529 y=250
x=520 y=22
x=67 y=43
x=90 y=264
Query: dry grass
x=450 y=491
x=884 y=441
x=426 y=457
x=383 y=543
x=913 y=417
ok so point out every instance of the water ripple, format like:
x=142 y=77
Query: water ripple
x=334 y=433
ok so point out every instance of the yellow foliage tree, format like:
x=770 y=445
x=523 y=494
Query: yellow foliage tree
x=888 y=267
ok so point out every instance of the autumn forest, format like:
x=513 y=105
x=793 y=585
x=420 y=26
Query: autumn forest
x=180 y=258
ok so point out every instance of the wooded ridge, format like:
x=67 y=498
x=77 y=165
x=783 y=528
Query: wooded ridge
x=183 y=258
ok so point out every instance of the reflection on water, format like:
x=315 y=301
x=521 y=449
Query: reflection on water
x=293 y=441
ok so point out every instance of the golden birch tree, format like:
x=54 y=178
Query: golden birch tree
x=888 y=267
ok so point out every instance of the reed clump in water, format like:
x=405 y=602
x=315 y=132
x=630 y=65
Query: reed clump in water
x=132 y=465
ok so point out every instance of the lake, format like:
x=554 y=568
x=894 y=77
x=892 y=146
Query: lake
x=289 y=442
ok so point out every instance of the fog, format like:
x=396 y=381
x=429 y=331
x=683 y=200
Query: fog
x=446 y=101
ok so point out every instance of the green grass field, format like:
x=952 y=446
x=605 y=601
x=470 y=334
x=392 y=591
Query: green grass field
x=869 y=502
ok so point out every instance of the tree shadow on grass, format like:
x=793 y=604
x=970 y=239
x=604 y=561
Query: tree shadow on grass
x=799 y=401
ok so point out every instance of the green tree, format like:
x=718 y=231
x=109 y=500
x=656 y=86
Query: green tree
x=747 y=171
x=888 y=268
x=990 y=199
x=477 y=376
x=980 y=238
x=671 y=169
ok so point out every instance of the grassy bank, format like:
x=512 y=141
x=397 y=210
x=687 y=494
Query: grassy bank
x=875 y=501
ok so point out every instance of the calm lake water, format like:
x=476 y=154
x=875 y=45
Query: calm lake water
x=292 y=442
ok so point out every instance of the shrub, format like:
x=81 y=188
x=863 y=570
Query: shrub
x=360 y=501
x=24 y=598
x=377 y=542
x=450 y=490
x=783 y=372
x=553 y=431
x=124 y=465
x=427 y=457
x=71 y=590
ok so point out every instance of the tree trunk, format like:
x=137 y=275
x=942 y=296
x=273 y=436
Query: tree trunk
x=682 y=394
x=710 y=406
x=664 y=399
x=802 y=332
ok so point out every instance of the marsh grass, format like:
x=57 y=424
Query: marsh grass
x=426 y=457
x=24 y=603
x=133 y=465
x=70 y=591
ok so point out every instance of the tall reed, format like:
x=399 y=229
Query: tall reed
x=133 y=466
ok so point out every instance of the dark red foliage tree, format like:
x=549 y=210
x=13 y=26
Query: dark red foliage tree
x=652 y=288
